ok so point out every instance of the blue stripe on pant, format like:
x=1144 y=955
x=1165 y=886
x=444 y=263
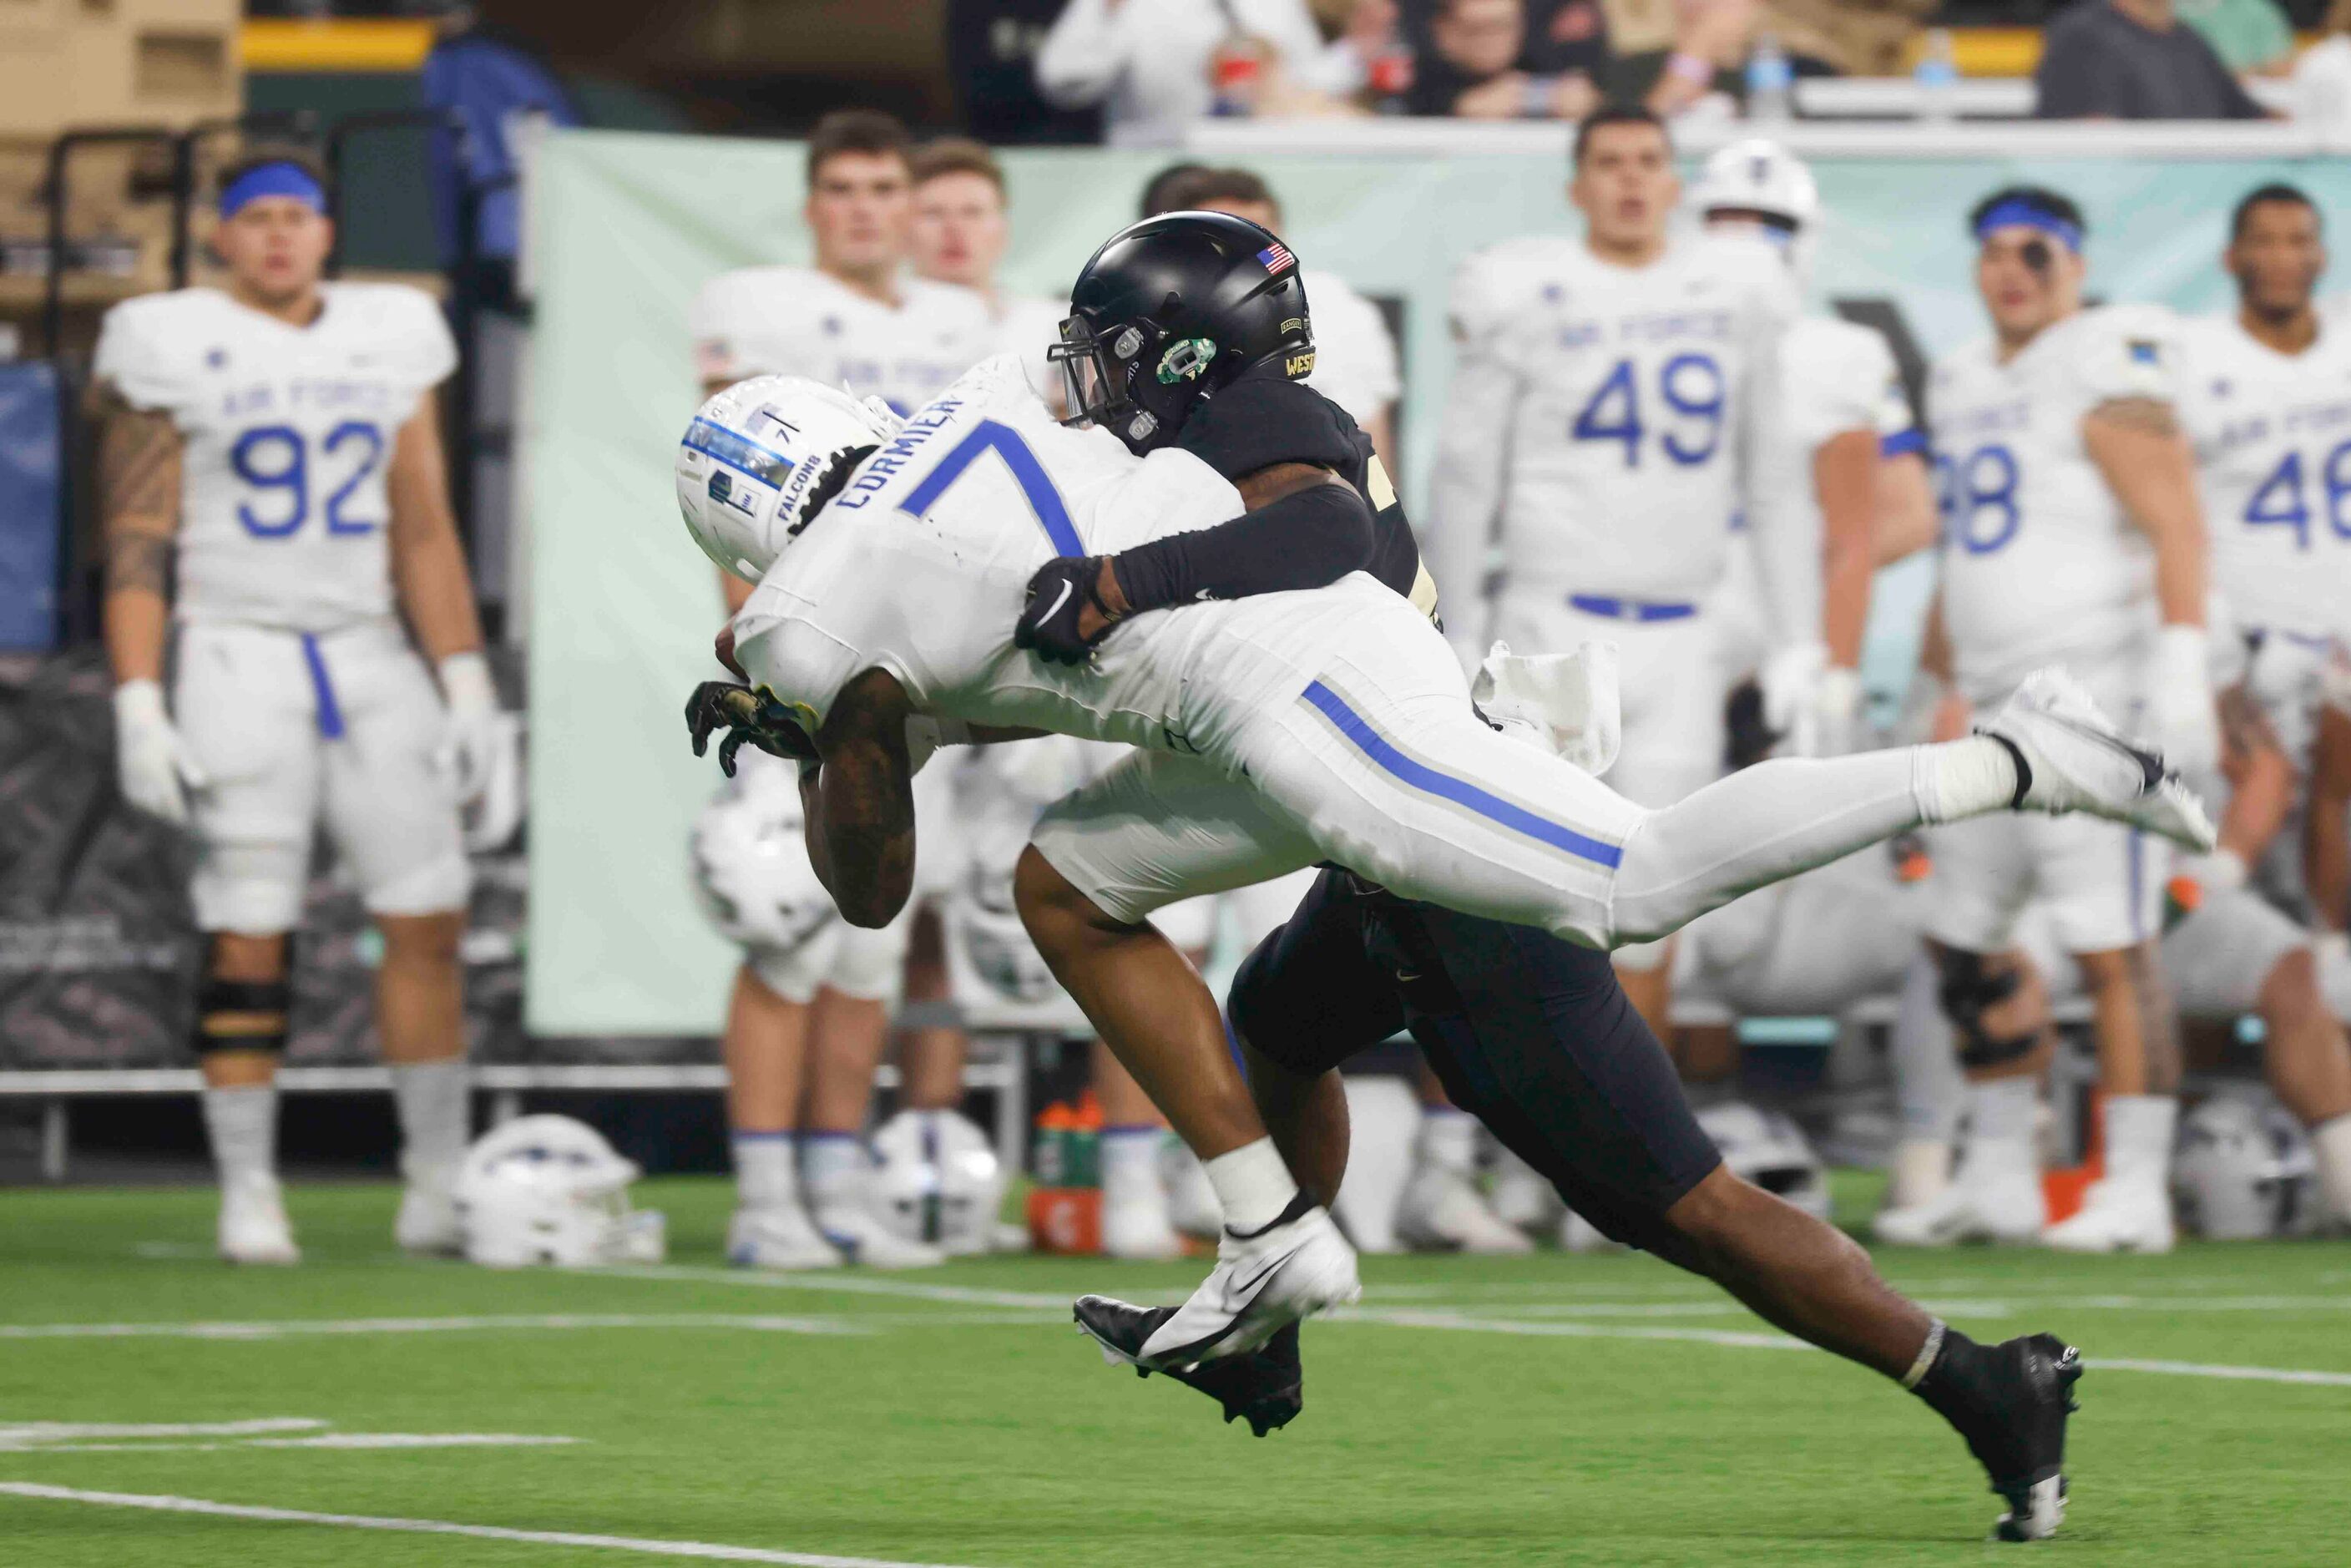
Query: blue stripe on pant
x=1410 y=770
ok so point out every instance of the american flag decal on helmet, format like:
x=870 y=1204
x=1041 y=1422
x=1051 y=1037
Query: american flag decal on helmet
x=1277 y=257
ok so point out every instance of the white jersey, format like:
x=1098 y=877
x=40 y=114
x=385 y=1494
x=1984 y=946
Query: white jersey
x=1354 y=353
x=1596 y=410
x=288 y=433
x=1833 y=376
x=2273 y=435
x=921 y=567
x=2039 y=563
x=795 y=320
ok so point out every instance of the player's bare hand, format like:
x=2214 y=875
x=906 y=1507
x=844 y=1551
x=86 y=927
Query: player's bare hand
x=747 y=717
x=722 y=646
x=1068 y=611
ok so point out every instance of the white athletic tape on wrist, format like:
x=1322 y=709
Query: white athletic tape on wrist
x=1926 y=1356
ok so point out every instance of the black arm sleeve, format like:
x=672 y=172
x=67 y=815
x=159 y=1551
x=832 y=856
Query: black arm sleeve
x=1306 y=539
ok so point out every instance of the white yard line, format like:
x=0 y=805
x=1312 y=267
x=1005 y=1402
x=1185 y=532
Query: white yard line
x=330 y=1440
x=548 y=1322
x=709 y=1551
x=16 y=1432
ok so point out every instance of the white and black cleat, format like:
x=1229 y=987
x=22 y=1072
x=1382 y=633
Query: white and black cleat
x=2025 y=1453
x=2069 y=757
x=1265 y=1387
x=1264 y=1280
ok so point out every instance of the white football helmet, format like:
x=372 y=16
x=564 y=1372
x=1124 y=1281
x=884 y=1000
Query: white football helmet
x=756 y=452
x=547 y=1189
x=2244 y=1171
x=1768 y=1148
x=936 y=1179
x=1759 y=181
x=751 y=870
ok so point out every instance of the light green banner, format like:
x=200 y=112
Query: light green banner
x=625 y=227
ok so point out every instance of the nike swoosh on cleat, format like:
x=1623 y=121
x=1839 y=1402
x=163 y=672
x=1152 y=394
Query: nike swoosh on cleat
x=1248 y=1291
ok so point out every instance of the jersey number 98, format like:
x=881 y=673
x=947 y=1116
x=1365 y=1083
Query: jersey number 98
x=275 y=459
x=1689 y=385
x=1968 y=487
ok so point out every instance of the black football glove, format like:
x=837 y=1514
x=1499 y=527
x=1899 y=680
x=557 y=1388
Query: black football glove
x=1062 y=589
x=747 y=717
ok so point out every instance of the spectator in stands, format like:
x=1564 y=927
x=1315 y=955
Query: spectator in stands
x=1711 y=40
x=2253 y=37
x=1156 y=65
x=1475 y=68
x=2134 y=60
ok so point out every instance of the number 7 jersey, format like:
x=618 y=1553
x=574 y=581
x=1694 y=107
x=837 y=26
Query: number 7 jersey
x=288 y=432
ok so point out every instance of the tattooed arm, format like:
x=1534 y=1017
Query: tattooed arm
x=428 y=561
x=139 y=501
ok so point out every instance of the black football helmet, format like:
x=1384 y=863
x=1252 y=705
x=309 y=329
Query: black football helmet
x=1171 y=309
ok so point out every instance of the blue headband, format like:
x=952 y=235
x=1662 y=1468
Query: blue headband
x=2016 y=214
x=273 y=180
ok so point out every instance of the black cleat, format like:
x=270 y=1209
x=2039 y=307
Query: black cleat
x=2021 y=1443
x=1264 y=1386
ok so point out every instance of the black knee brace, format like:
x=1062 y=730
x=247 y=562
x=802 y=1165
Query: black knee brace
x=1968 y=988
x=244 y=1015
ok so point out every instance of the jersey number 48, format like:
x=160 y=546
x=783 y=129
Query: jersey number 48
x=2278 y=502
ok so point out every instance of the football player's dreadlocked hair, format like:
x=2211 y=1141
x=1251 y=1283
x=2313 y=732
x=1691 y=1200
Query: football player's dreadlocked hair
x=830 y=483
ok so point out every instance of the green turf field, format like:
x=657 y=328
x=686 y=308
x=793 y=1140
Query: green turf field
x=1553 y=1409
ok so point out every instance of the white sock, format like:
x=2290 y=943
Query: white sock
x=2330 y=1144
x=2138 y=1135
x=765 y=1174
x=1928 y=1090
x=1130 y=1157
x=1999 y=1128
x=1252 y=1183
x=1448 y=1139
x=241 y=1127
x=435 y=1114
x=834 y=1166
x=1963 y=778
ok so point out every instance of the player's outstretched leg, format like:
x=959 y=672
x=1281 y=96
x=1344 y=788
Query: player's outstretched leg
x=1392 y=776
x=2008 y=1401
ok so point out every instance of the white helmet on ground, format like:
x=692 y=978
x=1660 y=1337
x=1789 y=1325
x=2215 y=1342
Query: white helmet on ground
x=751 y=870
x=937 y=1180
x=1768 y=1148
x=1760 y=183
x=759 y=458
x=2244 y=1171
x=547 y=1189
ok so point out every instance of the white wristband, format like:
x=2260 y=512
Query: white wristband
x=465 y=684
x=2222 y=871
x=139 y=702
x=2182 y=657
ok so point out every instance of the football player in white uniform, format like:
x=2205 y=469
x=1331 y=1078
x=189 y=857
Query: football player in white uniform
x=2267 y=400
x=273 y=446
x=1592 y=435
x=855 y=318
x=1276 y=730
x=1814 y=486
x=2073 y=534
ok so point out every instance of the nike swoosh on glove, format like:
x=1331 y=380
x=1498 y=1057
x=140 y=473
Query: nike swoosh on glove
x=752 y=717
x=1062 y=590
